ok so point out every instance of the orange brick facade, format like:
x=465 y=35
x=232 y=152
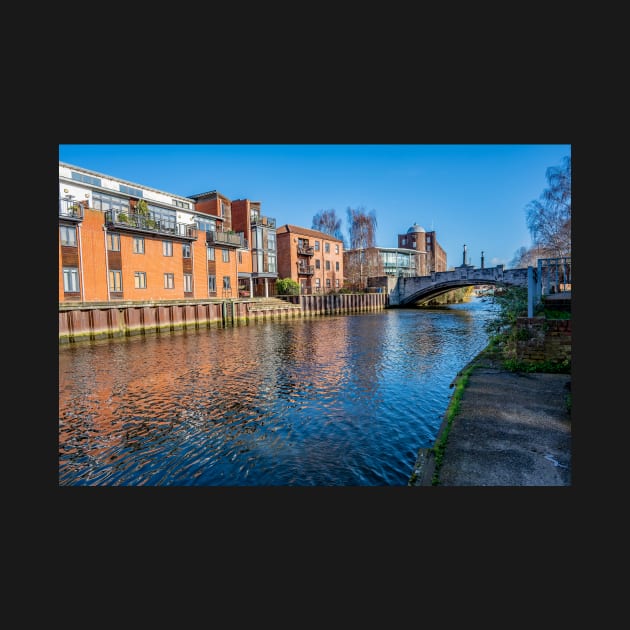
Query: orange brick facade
x=312 y=258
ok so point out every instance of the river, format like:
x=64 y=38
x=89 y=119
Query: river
x=333 y=400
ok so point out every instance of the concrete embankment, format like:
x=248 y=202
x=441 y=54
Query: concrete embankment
x=511 y=429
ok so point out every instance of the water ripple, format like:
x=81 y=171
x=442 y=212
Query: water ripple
x=337 y=400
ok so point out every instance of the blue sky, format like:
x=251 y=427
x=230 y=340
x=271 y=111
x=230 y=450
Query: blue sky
x=473 y=194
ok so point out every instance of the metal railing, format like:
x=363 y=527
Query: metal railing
x=119 y=218
x=550 y=276
x=70 y=209
x=219 y=237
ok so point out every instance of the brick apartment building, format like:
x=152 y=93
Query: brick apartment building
x=312 y=258
x=123 y=241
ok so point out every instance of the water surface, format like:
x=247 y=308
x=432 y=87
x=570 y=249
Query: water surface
x=323 y=401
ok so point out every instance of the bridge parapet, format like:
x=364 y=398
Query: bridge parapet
x=405 y=291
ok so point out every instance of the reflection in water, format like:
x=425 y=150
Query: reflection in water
x=336 y=400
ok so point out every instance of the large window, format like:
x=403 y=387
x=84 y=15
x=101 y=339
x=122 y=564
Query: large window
x=113 y=241
x=207 y=225
x=70 y=280
x=104 y=202
x=115 y=280
x=167 y=248
x=226 y=255
x=186 y=250
x=226 y=282
x=316 y=246
x=169 y=280
x=328 y=265
x=212 y=284
x=271 y=241
x=140 y=279
x=271 y=260
x=327 y=248
x=68 y=235
x=210 y=253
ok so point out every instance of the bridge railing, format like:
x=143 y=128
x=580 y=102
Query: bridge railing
x=551 y=275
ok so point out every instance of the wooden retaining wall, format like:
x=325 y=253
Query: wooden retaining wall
x=90 y=321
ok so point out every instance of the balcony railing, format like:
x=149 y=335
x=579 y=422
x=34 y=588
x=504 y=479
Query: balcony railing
x=306 y=270
x=305 y=251
x=119 y=219
x=70 y=209
x=261 y=220
x=225 y=238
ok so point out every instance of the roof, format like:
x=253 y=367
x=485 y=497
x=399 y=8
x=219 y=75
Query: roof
x=415 y=228
x=295 y=229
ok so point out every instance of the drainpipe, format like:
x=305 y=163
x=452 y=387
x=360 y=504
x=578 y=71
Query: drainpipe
x=106 y=264
x=81 y=261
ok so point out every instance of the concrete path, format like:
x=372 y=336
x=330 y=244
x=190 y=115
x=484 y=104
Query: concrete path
x=511 y=430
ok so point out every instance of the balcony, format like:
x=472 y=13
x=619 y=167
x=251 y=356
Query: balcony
x=255 y=219
x=225 y=238
x=306 y=270
x=139 y=223
x=70 y=209
x=305 y=251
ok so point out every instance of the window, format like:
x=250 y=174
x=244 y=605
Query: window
x=134 y=192
x=316 y=284
x=210 y=253
x=271 y=260
x=336 y=249
x=70 y=280
x=181 y=204
x=140 y=279
x=337 y=266
x=226 y=255
x=167 y=248
x=187 y=283
x=186 y=250
x=212 y=284
x=318 y=263
x=226 y=282
x=207 y=225
x=403 y=241
x=316 y=246
x=115 y=280
x=271 y=241
x=337 y=282
x=240 y=258
x=328 y=283
x=105 y=202
x=169 y=280
x=328 y=265
x=327 y=248
x=113 y=242
x=86 y=179
x=138 y=245
x=68 y=235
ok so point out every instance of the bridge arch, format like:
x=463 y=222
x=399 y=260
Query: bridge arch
x=409 y=291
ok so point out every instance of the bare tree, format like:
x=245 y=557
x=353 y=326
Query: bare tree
x=549 y=218
x=361 y=228
x=326 y=221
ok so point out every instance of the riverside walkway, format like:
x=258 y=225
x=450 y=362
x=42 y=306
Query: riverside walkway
x=512 y=429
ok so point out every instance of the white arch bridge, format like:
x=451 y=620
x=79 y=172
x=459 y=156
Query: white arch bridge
x=552 y=275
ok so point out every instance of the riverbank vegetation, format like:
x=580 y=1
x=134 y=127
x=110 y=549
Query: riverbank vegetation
x=504 y=333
